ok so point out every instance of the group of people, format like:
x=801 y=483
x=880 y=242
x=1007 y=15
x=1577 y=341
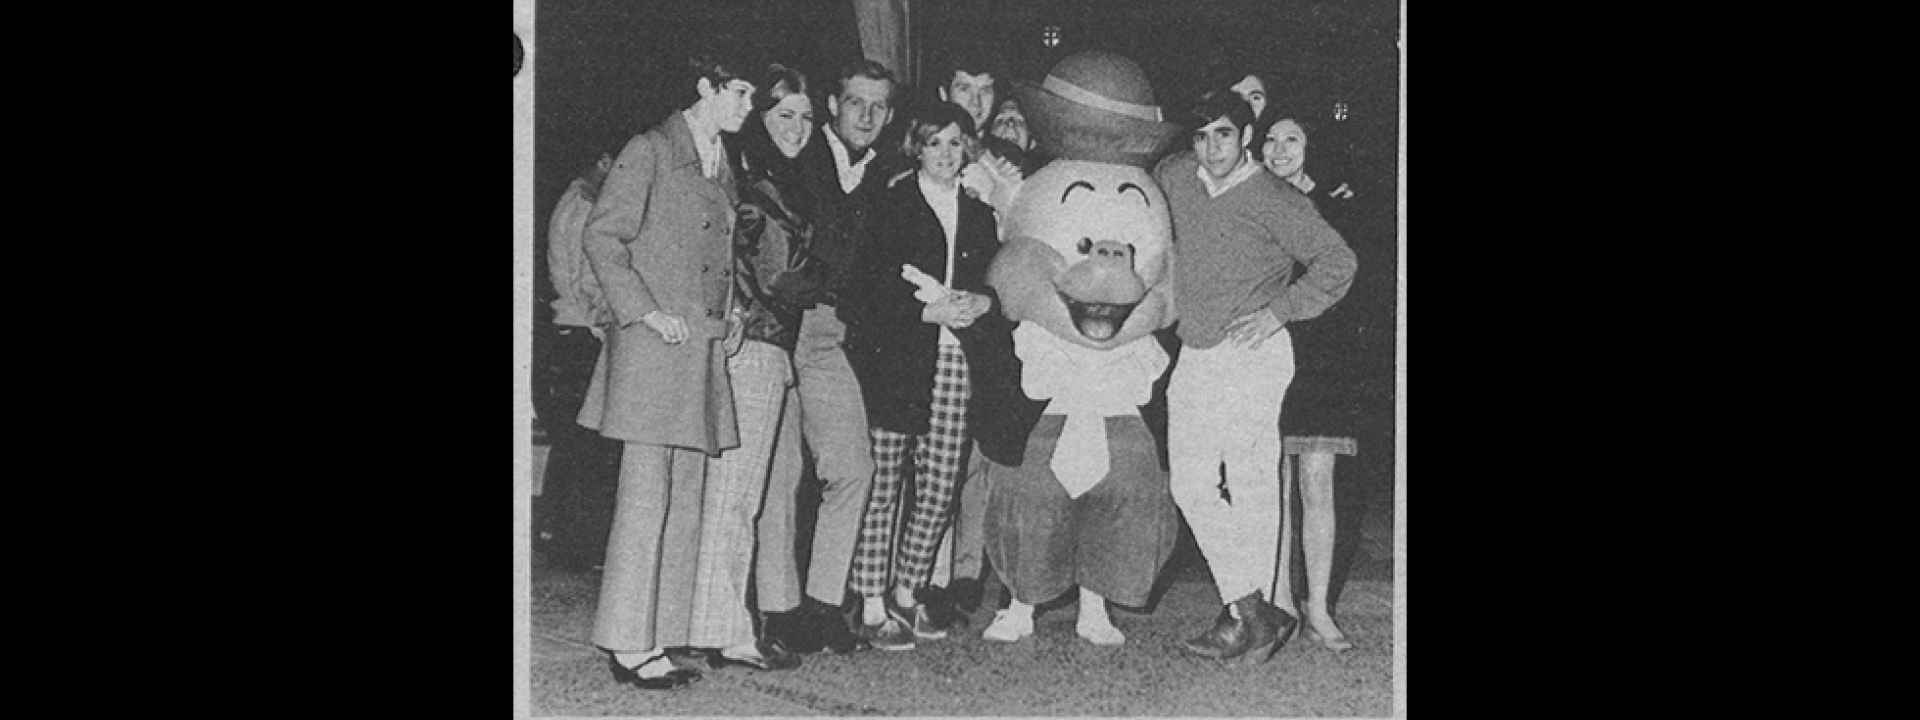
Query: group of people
x=769 y=288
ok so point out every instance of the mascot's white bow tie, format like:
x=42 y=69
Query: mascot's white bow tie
x=1087 y=386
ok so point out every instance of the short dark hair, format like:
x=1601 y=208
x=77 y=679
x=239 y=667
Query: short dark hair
x=929 y=119
x=971 y=60
x=716 y=68
x=868 y=69
x=1220 y=104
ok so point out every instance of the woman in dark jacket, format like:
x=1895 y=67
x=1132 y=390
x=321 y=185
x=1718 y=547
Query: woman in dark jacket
x=1318 y=417
x=770 y=244
x=911 y=310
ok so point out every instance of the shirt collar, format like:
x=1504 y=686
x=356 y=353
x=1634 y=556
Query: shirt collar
x=841 y=159
x=709 y=151
x=1246 y=170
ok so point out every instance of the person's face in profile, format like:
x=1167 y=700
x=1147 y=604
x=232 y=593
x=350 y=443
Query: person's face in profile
x=790 y=123
x=732 y=102
x=861 y=111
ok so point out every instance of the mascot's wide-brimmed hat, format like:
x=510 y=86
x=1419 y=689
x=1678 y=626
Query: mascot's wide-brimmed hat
x=1096 y=106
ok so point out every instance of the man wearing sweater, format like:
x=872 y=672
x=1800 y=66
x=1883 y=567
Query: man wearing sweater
x=1239 y=232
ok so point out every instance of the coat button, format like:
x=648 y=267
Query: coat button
x=704 y=224
x=704 y=269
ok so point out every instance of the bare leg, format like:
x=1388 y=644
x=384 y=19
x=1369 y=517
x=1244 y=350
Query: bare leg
x=1316 y=494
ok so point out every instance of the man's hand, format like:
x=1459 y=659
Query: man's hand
x=672 y=329
x=1252 y=329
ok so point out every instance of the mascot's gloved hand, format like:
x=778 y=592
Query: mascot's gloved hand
x=929 y=288
x=992 y=180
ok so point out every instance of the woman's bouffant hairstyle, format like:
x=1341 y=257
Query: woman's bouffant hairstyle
x=929 y=119
x=776 y=84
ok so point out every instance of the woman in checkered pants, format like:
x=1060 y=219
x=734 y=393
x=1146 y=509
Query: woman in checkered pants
x=920 y=307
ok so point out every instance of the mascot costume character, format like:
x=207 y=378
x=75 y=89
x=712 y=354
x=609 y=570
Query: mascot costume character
x=1086 y=272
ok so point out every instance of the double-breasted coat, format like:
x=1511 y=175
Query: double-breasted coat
x=661 y=238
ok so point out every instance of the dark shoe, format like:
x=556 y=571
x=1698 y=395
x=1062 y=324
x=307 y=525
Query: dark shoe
x=827 y=629
x=923 y=625
x=942 y=614
x=894 y=634
x=1267 y=628
x=673 y=680
x=1216 y=641
x=793 y=629
x=690 y=659
x=965 y=594
x=769 y=654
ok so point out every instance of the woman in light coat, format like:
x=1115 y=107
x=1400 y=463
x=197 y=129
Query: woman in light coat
x=660 y=242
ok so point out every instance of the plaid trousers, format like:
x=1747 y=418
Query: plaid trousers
x=937 y=460
x=736 y=482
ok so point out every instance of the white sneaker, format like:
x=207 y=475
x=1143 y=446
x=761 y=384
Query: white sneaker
x=1100 y=633
x=1009 y=626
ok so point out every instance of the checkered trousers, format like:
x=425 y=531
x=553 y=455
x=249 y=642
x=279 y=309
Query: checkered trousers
x=937 y=460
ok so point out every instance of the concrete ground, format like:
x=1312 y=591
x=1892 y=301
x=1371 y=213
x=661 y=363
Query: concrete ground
x=1053 y=673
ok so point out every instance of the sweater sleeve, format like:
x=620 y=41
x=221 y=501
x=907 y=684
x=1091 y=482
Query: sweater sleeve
x=1330 y=264
x=615 y=222
x=577 y=302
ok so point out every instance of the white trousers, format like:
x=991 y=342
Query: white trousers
x=1223 y=409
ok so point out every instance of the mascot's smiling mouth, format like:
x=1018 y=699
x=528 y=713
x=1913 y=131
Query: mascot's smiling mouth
x=1098 y=321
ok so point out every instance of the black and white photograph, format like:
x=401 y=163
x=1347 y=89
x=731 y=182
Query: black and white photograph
x=977 y=358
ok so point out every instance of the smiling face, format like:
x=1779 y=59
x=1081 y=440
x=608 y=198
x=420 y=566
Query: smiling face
x=790 y=123
x=860 y=111
x=1286 y=148
x=1220 y=147
x=974 y=93
x=1252 y=90
x=942 y=155
x=1011 y=125
x=1099 y=235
